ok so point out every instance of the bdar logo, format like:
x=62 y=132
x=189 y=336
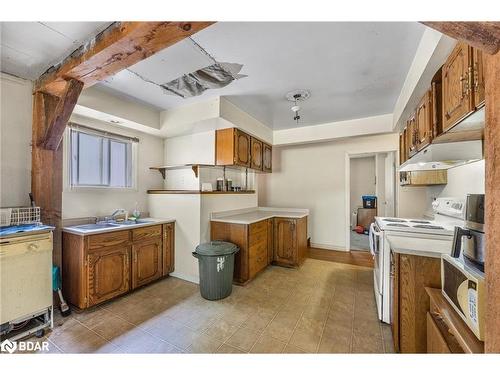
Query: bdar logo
x=8 y=346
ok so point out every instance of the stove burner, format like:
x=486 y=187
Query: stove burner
x=423 y=226
x=420 y=221
x=397 y=225
x=394 y=220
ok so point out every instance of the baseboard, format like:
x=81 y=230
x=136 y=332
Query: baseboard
x=327 y=247
x=190 y=278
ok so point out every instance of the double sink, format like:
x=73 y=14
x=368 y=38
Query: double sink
x=109 y=225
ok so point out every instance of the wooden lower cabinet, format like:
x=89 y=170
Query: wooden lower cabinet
x=412 y=273
x=290 y=241
x=99 y=267
x=146 y=262
x=436 y=342
x=108 y=273
x=281 y=241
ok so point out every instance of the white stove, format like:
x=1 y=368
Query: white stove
x=421 y=235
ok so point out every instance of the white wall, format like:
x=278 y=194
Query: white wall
x=362 y=176
x=84 y=202
x=312 y=176
x=469 y=178
x=15 y=134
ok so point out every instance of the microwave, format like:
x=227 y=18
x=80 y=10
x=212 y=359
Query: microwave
x=463 y=286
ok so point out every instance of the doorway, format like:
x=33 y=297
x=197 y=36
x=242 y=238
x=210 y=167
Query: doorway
x=368 y=175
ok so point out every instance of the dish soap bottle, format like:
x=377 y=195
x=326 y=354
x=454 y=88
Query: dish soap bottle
x=136 y=213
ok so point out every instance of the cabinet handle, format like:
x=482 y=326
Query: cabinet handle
x=469 y=80
x=476 y=77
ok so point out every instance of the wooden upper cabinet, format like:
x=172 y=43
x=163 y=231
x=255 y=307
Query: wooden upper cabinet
x=234 y=147
x=423 y=118
x=412 y=137
x=256 y=154
x=242 y=143
x=285 y=241
x=108 y=273
x=457 y=98
x=146 y=261
x=267 y=158
x=403 y=152
x=478 y=79
x=437 y=103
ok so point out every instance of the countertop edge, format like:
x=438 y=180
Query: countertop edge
x=246 y=222
x=117 y=229
x=428 y=254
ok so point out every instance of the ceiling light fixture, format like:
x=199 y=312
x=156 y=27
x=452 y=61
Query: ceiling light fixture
x=297 y=96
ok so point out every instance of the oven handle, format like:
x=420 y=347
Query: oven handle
x=373 y=232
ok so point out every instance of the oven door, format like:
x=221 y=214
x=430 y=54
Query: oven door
x=376 y=249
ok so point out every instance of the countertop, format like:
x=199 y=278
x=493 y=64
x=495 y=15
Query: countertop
x=163 y=191
x=255 y=214
x=152 y=221
x=427 y=247
x=24 y=230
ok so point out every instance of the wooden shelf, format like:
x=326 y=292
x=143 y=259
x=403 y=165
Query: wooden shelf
x=194 y=167
x=163 y=191
x=455 y=325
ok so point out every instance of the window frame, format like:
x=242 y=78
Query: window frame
x=119 y=138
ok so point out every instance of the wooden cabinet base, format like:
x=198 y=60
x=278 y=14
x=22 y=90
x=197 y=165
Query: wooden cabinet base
x=97 y=268
x=281 y=241
x=412 y=274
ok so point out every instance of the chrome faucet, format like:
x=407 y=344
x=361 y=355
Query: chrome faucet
x=119 y=211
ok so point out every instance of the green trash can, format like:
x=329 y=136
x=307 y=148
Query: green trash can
x=216 y=262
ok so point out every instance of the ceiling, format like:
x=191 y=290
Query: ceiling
x=352 y=70
x=29 y=48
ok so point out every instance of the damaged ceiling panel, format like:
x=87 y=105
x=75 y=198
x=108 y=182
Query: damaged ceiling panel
x=185 y=70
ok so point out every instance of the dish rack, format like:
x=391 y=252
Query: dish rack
x=19 y=215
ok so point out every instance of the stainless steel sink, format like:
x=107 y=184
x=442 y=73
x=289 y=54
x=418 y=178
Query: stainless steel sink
x=110 y=224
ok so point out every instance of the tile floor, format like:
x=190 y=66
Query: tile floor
x=323 y=307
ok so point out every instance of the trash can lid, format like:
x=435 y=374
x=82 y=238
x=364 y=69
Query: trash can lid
x=216 y=248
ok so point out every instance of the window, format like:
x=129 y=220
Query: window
x=100 y=159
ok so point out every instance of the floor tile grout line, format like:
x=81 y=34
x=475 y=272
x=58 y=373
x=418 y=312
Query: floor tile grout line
x=326 y=320
x=297 y=324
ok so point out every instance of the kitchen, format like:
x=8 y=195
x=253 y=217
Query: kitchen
x=123 y=181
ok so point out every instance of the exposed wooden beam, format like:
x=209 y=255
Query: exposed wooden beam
x=492 y=197
x=60 y=113
x=482 y=35
x=119 y=46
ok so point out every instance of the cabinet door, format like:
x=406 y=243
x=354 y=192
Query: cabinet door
x=108 y=273
x=241 y=148
x=146 y=258
x=168 y=248
x=456 y=94
x=412 y=136
x=424 y=121
x=270 y=240
x=435 y=340
x=478 y=81
x=256 y=157
x=402 y=147
x=285 y=241
x=267 y=156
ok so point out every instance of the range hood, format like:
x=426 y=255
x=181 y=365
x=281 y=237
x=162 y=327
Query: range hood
x=444 y=156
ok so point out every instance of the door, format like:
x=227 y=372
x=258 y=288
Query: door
x=267 y=158
x=108 y=273
x=423 y=118
x=241 y=148
x=168 y=249
x=147 y=262
x=285 y=241
x=456 y=93
x=478 y=81
x=256 y=157
x=389 y=185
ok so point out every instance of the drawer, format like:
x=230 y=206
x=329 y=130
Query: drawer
x=146 y=232
x=97 y=241
x=257 y=227
x=257 y=258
